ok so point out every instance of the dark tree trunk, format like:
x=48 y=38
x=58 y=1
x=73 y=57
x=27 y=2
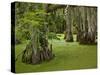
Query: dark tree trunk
x=88 y=32
x=37 y=50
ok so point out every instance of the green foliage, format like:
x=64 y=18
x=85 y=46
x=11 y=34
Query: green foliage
x=28 y=18
x=56 y=21
x=43 y=41
x=52 y=35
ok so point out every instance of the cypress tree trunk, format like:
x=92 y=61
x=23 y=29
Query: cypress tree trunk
x=78 y=21
x=91 y=25
x=37 y=50
x=68 y=34
x=88 y=32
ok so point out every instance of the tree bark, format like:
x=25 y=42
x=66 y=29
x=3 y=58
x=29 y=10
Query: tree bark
x=37 y=50
x=68 y=34
x=87 y=34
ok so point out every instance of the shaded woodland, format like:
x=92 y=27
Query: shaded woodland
x=40 y=23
